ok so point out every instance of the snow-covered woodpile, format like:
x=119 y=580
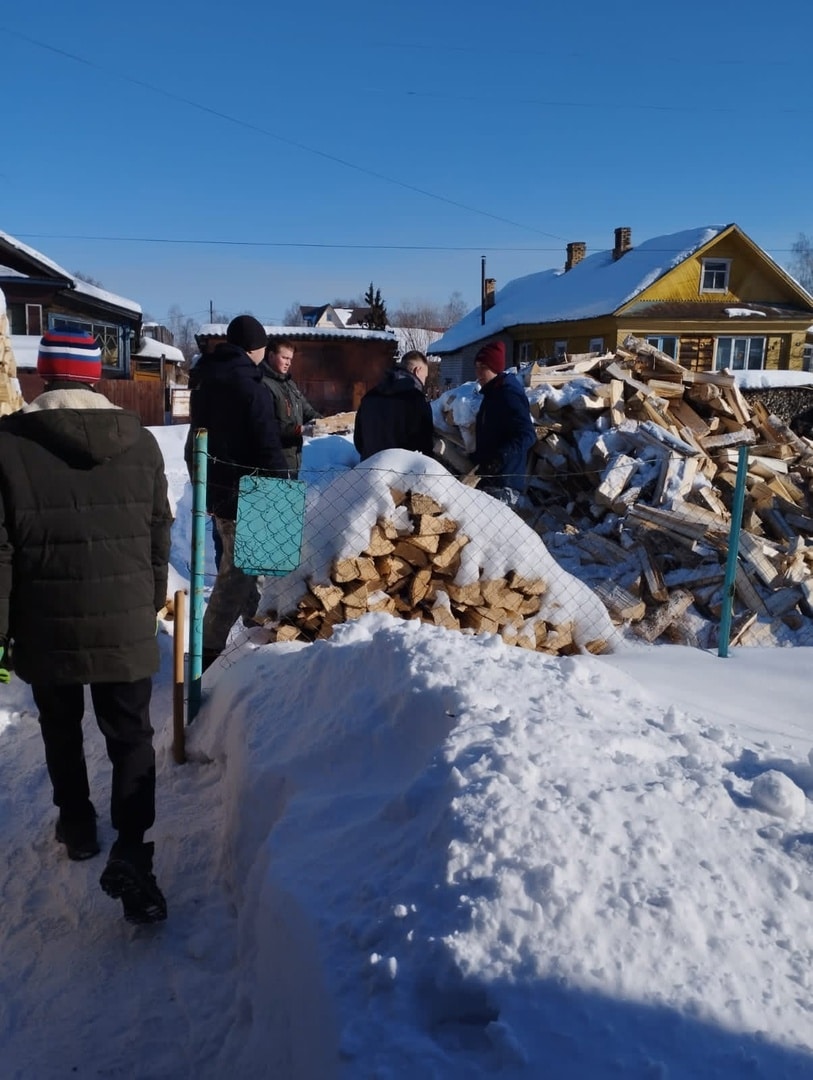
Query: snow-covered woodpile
x=408 y=569
x=10 y=397
x=338 y=424
x=633 y=475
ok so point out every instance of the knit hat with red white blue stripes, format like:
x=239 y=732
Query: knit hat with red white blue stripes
x=69 y=355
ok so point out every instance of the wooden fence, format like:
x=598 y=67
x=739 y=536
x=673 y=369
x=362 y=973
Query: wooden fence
x=145 y=398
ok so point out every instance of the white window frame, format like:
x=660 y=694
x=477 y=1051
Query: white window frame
x=746 y=346
x=560 y=349
x=658 y=339
x=109 y=337
x=715 y=267
x=807 y=358
x=596 y=345
x=525 y=352
x=33 y=320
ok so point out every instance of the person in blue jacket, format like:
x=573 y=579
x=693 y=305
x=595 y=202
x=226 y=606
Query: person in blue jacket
x=504 y=429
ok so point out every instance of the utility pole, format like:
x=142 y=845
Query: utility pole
x=211 y=311
x=482 y=290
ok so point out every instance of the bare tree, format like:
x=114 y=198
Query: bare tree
x=415 y=337
x=292 y=316
x=87 y=278
x=183 y=329
x=802 y=264
x=454 y=310
x=420 y=314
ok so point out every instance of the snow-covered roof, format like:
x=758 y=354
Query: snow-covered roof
x=79 y=285
x=154 y=350
x=598 y=285
x=219 y=330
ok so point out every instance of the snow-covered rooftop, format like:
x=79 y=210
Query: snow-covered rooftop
x=598 y=285
x=219 y=330
x=79 y=285
x=153 y=350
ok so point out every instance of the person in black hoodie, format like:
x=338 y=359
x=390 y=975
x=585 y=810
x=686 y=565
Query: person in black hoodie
x=229 y=400
x=84 y=549
x=395 y=413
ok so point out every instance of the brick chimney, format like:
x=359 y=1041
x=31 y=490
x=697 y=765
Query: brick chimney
x=490 y=293
x=575 y=253
x=623 y=241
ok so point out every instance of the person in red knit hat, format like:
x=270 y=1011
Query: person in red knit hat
x=84 y=551
x=504 y=429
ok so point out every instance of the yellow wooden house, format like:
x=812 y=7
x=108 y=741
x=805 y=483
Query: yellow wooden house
x=709 y=297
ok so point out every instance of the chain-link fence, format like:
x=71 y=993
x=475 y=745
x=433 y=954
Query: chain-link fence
x=579 y=560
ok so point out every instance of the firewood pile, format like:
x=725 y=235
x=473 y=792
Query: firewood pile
x=338 y=424
x=408 y=569
x=10 y=397
x=632 y=480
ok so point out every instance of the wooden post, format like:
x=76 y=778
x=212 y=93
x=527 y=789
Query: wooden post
x=178 y=736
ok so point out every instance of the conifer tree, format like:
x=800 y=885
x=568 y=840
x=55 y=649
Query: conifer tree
x=377 y=317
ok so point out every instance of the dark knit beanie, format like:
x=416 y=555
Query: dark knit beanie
x=247 y=332
x=492 y=356
x=70 y=356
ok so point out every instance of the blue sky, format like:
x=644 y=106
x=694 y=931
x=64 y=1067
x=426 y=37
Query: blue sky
x=301 y=151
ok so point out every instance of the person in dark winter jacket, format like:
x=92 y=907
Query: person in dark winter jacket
x=395 y=413
x=84 y=547
x=291 y=406
x=229 y=400
x=504 y=430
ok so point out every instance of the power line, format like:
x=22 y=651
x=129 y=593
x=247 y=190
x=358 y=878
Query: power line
x=309 y=244
x=274 y=135
x=276 y=243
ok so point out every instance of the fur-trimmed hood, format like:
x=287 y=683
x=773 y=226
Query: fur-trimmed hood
x=81 y=427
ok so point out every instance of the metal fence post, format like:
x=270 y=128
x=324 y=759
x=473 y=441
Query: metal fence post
x=733 y=552
x=199 y=461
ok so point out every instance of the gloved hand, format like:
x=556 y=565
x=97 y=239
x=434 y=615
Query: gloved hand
x=5 y=662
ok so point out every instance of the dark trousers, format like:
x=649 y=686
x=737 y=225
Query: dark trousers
x=123 y=715
x=217 y=542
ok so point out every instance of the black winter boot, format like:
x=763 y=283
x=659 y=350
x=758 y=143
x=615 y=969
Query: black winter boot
x=128 y=877
x=78 y=833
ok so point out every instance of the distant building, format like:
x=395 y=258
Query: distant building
x=709 y=297
x=334 y=367
x=41 y=295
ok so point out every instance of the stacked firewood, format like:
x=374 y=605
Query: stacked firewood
x=408 y=569
x=634 y=472
x=10 y=397
x=338 y=424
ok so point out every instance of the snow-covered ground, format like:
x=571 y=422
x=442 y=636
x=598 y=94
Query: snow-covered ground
x=409 y=852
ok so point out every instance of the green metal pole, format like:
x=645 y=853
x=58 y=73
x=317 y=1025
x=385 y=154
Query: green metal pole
x=199 y=460
x=733 y=552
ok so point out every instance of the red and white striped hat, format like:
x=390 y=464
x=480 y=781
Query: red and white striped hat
x=70 y=355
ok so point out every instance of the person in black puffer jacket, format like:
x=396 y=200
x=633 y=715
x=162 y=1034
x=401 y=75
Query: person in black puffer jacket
x=84 y=548
x=395 y=413
x=229 y=400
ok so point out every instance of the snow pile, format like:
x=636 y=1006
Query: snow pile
x=484 y=860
